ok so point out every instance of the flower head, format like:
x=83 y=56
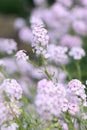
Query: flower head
x=40 y=39
x=7 y=45
x=21 y=55
x=12 y=89
x=77 y=53
x=58 y=53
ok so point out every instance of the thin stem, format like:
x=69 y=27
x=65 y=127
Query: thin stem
x=68 y=119
x=48 y=75
x=45 y=70
x=35 y=65
x=78 y=69
x=4 y=73
x=64 y=68
x=43 y=62
x=16 y=118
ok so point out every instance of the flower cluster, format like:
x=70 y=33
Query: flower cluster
x=58 y=54
x=21 y=55
x=7 y=45
x=53 y=99
x=10 y=93
x=48 y=98
x=77 y=53
x=77 y=88
x=40 y=39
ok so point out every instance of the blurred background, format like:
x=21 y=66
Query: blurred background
x=10 y=10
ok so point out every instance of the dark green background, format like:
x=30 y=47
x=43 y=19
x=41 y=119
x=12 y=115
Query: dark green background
x=18 y=7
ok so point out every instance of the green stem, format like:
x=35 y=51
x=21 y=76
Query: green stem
x=4 y=72
x=48 y=75
x=44 y=64
x=68 y=119
x=78 y=70
x=79 y=124
x=35 y=65
x=17 y=120
x=45 y=70
x=64 y=68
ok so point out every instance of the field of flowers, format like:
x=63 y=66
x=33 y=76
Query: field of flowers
x=43 y=62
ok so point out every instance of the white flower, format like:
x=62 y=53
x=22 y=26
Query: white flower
x=73 y=109
x=2 y=63
x=40 y=39
x=86 y=82
x=25 y=34
x=3 y=113
x=50 y=97
x=40 y=35
x=10 y=65
x=79 y=26
x=85 y=103
x=10 y=93
x=65 y=105
x=19 y=23
x=13 y=126
x=21 y=55
x=36 y=20
x=7 y=45
x=13 y=109
x=77 y=88
x=77 y=53
x=74 y=85
x=84 y=116
x=71 y=41
x=58 y=53
x=64 y=126
x=12 y=89
x=8 y=110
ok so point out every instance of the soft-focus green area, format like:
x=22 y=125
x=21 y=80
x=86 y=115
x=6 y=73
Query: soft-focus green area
x=18 y=7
